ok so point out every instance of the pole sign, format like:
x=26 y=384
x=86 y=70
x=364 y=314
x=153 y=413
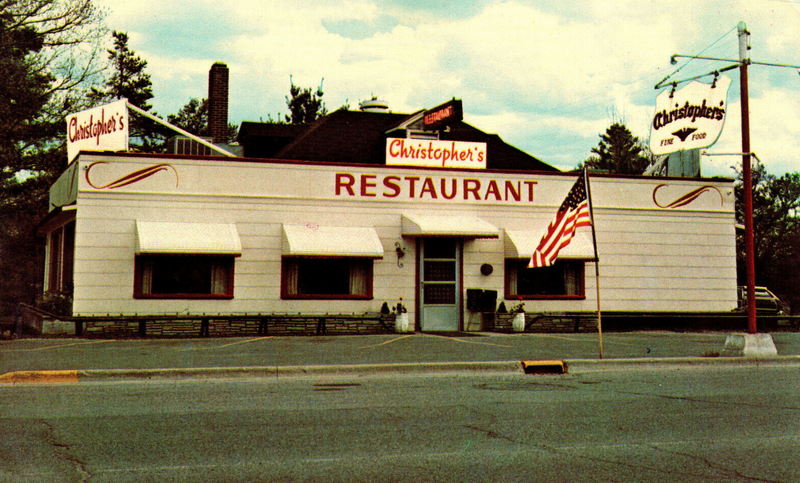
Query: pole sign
x=689 y=118
x=102 y=128
x=435 y=154
x=443 y=115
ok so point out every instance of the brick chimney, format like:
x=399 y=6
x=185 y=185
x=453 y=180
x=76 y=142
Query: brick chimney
x=218 y=102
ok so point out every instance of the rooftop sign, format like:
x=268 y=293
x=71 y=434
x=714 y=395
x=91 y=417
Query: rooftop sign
x=435 y=154
x=443 y=115
x=102 y=128
x=689 y=118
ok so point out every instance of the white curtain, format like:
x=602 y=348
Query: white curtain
x=359 y=277
x=219 y=277
x=571 y=279
x=146 y=277
x=290 y=273
x=513 y=275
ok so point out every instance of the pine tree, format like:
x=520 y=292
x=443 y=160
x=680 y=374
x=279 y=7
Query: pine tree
x=619 y=151
x=305 y=105
x=776 y=231
x=23 y=95
x=47 y=49
x=193 y=117
x=129 y=80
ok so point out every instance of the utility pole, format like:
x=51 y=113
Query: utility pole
x=747 y=178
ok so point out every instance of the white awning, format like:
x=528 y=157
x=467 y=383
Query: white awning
x=199 y=238
x=448 y=225
x=521 y=244
x=332 y=241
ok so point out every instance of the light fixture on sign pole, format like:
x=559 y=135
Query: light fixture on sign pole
x=742 y=63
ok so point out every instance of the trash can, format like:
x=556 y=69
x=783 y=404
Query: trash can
x=474 y=299
x=488 y=301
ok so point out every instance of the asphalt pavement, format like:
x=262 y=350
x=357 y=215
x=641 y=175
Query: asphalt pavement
x=76 y=358
x=717 y=425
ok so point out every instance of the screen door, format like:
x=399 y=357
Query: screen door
x=440 y=291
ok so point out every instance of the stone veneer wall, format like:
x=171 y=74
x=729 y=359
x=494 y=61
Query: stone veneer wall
x=268 y=325
x=299 y=325
x=548 y=323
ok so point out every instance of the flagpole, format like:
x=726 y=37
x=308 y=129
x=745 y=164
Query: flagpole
x=596 y=264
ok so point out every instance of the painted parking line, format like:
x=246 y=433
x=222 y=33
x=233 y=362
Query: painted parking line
x=61 y=345
x=456 y=339
x=564 y=337
x=606 y=340
x=387 y=341
x=192 y=348
x=644 y=341
x=247 y=341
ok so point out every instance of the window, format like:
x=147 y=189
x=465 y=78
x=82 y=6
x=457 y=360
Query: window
x=61 y=252
x=184 y=276
x=421 y=134
x=326 y=278
x=562 y=280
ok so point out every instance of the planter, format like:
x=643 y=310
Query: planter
x=401 y=322
x=518 y=322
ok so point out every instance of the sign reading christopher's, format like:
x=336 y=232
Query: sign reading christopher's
x=435 y=154
x=102 y=128
x=689 y=118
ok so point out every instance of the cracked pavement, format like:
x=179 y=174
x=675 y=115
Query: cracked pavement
x=710 y=424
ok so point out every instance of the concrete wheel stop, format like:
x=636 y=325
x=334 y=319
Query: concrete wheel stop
x=750 y=345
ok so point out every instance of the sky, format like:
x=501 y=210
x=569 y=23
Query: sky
x=548 y=77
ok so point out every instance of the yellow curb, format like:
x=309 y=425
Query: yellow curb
x=22 y=377
x=544 y=367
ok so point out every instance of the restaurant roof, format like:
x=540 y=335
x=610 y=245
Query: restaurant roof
x=360 y=137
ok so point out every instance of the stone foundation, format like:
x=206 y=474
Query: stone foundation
x=301 y=325
x=538 y=323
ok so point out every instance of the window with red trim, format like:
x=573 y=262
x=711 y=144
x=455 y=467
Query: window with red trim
x=562 y=280
x=326 y=278
x=61 y=253
x=184 y=276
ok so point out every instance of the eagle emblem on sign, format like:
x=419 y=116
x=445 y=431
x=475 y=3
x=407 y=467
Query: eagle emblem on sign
x=684 y=133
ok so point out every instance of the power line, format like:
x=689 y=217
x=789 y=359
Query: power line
x=696 y=55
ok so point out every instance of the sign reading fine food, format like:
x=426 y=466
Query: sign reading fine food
x=689 y=118
x=102 y=128
x=435 y=154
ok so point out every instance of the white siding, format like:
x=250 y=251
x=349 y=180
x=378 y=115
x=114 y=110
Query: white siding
x=651 y=258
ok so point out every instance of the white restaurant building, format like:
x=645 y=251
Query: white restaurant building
x=290 y=236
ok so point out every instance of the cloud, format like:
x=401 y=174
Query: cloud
x=357 y=29
x=548 y=77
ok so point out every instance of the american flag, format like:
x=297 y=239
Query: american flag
x=573 y=214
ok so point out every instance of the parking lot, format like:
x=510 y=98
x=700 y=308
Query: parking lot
x=74 y=353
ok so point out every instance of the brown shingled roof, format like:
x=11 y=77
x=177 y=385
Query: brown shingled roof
x=345 y=136
x=360 y=137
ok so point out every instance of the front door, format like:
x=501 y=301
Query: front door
x=440 y=280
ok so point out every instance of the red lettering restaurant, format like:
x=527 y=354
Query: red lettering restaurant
x=366 y=221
